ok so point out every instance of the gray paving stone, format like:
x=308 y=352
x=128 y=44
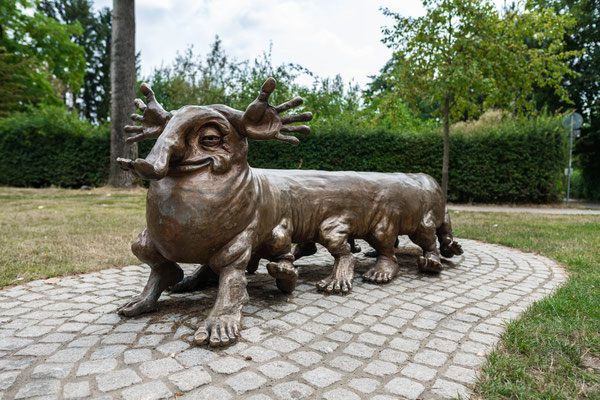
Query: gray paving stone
x=245 y=381
x=67 y=355
x=171 y=348
x=345 y=363
x=431 y=357
x=7 y=379
x=117 y=379
x=321 y=377
x=461 y=374
x=278 y=369
x=47 y=371
x=306 y=358
x=40 y=349
x=148 y=391
x=359 y=350
x=194 y=357
x=96 y=366
x=449 y=390
x=108 y=352
x=405 y=388
x=364 y=385
x=38 y=388
x=340 y=394
x=407 y=345
x=210 y=393
x=380 y=368
x=190 y=378
x=159 y=368
x=227 y=365
x=419 y=372
x=292 y=390
x=76 y=390
x=394 y=356
x=137 y=356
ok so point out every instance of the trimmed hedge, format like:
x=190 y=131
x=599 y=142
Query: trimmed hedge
x=515 y=161
x=49 y=146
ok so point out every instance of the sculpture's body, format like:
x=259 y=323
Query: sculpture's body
x=208 y=206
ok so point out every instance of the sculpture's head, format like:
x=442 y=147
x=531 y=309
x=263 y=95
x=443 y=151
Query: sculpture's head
x=199 y=139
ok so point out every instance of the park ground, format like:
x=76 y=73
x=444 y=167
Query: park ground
x=551 y=352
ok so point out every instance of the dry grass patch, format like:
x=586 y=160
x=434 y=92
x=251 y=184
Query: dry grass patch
x=50 y=232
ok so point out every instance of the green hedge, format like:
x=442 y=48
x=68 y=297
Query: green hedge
x=49 y=146
x=515 y=161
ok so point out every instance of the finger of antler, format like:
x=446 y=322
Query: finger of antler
x=140 y=104
x=137 y=117
x=133 y=128
x=287 y=139
x=267 y=88
x=147 y=91
x=303 y=129
x=295 y=102
x=304 y=117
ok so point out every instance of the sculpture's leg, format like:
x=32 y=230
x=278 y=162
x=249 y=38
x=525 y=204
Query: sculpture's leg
x=163 y=273
x=334 y=236
x=373 y=252
x=222 y=325
x=448 y=247
x=201 y=278
x=304 y=250
x=425 y=238
x=354 y=248
x=253 y=263
x=282 y=266
x=386 y=268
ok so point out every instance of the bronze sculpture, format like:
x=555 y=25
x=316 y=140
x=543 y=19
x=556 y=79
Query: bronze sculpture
x=205 y=205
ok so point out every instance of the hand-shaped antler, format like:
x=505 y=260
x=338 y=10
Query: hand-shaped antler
x=154 y=118
x=262 y=121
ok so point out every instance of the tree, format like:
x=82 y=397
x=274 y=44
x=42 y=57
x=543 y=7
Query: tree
x=464 y=57
x=583 y=88
x=93 y=100
x=122 y=82
x=39 y=62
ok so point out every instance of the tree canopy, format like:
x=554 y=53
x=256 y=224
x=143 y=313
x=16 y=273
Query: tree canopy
x=463 y=57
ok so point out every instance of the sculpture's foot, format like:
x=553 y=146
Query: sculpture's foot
x=384 y=271
x=430 y=263
x=342 y=276
x=285 y=275
x=219 y=331
x=354 y=248
x=148 y=300
x=201 y=278
x=449 y=248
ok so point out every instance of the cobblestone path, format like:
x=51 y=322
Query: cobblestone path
x=422 y=336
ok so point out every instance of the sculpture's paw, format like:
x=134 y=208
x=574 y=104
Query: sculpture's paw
x=137 y=305
x=219 y=331
x=285 y=275
x=333 y=284
x=429 y=264
x=374 y=275
x=450 y=248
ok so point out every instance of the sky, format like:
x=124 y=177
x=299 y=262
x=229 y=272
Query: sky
x=328 y=37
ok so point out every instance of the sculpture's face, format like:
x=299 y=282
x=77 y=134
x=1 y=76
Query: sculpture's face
x=196 y=140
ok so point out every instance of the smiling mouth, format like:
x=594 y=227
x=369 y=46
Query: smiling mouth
x=190 y=165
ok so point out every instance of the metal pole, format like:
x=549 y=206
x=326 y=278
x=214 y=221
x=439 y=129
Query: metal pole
x=569 y=170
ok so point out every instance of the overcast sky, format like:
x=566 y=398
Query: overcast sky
x=328 y=37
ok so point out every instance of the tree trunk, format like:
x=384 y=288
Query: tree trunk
x=122 y=83
x=446 y=159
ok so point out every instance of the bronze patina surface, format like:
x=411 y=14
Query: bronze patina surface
x=206 y=205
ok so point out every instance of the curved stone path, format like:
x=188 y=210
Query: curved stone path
x=422 y=336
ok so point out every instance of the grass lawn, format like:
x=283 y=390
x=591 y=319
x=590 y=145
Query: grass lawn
x=552 y=352
x=51 y=232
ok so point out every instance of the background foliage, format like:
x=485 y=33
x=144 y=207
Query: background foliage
x=515 y=160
